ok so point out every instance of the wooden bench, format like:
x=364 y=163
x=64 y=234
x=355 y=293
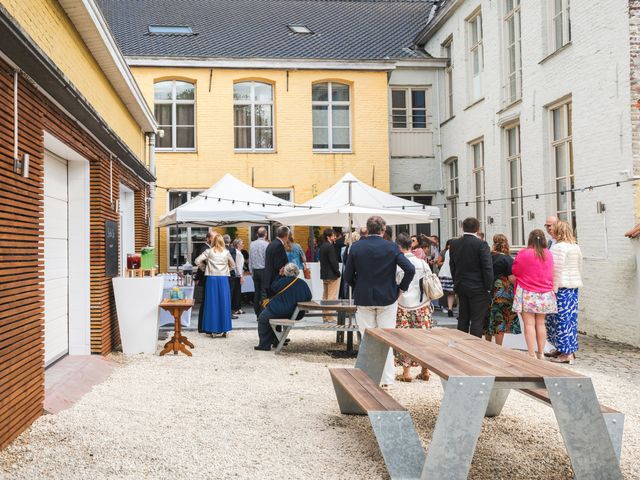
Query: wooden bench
x=613 y=419
x=288 y=324
x=392 y=425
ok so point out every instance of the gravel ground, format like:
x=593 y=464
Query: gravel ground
x=231 y=412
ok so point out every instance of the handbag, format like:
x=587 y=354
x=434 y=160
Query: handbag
x=430 y=286
x=265 y=302
x=307 y=273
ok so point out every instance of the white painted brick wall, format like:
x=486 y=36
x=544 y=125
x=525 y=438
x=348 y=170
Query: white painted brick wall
x=595 y=71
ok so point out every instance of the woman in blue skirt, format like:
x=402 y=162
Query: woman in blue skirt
x=217 y=264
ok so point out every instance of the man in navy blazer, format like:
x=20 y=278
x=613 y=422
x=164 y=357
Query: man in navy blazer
x=275 y=257
x=371 y=271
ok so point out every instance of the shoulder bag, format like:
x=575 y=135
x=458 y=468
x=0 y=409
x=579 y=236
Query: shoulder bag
x=266 y=301
x=430 y=286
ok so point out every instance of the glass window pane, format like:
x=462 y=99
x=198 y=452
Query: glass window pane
x=185 y=137
x=561 y=164
x=399 y=118
x=339 y=92
x=163 y=91
x=569 y=113
x=185 y=91
x=561 y=198
x=418 y=99
x=340 y=116
x=167 y=140
x=163 y=113
x=558 y=130
x=320 y=116
x=419 y=119
x=242 y=92
x=242 y=115
x=320 y=137
x=185 y=114
x=398 y=99
x=242 y=137
x=263 y=92
x=341 y=138
x=264 y=137
x=557 y=22
x=175 y=200
x=264 y=115
x=320 y=92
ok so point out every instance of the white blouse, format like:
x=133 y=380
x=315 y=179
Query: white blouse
x=567 y=265
x=411 y=298
x=217 y=264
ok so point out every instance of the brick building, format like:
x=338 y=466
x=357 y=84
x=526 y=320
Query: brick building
x=538 y=98
x=72 y=158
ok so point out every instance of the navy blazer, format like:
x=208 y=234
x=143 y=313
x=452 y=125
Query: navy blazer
x=275 y=257
x=371 y=271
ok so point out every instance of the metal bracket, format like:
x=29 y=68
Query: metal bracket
x=399 y=443
x=372 y=355
x=583 y=428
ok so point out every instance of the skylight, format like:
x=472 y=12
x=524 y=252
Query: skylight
x=303 y=29
x=170 y=30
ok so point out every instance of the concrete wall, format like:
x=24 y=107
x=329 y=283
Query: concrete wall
x=47 y=24
x=593 y=70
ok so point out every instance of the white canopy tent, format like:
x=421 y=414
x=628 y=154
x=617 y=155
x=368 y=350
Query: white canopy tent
x=350 y=201
x=228 y=202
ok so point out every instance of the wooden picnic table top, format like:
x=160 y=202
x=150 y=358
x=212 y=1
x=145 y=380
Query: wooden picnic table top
x=452 y=353
x=346 y=306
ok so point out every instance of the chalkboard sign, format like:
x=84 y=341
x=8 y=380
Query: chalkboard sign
x=111 y=248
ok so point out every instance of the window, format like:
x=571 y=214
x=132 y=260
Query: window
x=170 y=30
x=331 y=117
x=447 y=52
x=253 y=116
x=562 y=154
x=514 y=170
x=409 y=108
x=420 y=228
x=284 y=194
x=175 y=110
x=476 y=55
x=477 y=153
x=185 y=243
x=453 y=190
x=511 y=36
x=301 y=29
x=559 y=24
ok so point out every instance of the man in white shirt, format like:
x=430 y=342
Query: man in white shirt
x=257 y=251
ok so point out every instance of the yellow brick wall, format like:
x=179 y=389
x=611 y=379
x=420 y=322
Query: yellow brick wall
x=47 y=24
x=293 y=165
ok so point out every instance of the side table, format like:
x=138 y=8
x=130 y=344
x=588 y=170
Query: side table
x=178 y=341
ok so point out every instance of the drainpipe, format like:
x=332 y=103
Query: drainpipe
x=152 y=188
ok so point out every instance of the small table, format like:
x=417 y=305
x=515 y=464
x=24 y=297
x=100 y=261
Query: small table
x=178 y=341
x=342 y=308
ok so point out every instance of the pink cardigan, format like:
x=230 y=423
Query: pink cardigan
x=531 y=273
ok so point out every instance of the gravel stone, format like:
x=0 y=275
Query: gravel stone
x=230 y=412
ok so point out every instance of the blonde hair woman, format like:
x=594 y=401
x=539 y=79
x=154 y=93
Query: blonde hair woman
x=562 y=327
x=217 y=264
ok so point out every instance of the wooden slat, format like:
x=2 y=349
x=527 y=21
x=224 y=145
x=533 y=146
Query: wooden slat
x=542 y=395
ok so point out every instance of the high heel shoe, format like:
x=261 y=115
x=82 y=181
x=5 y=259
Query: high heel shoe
x=567 y=359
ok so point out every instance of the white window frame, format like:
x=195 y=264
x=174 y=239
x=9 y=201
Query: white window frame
x=191 y=194
x=329 y=103
x=475 y=47
x=566 y=182
x=253 y=103
x=408 y=109
x=563 y=17
x=174 y=118
x=447 y=52
x=515 y=206
x=512 y=90
x=453 y=193
x=412 y=228
x=478 y=173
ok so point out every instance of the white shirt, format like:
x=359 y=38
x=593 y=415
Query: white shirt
x=411 y=298
x=239 y=263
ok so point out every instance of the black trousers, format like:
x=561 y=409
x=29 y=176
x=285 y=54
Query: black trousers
x=236 y=293
x=265 y=333
x=472 y=309
x=260 y=289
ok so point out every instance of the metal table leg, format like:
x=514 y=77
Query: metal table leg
x=372 y=355
x=340 y=322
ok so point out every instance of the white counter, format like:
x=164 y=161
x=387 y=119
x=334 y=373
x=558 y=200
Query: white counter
x=137 y=301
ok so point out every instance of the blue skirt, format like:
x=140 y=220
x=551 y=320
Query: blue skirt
x=562 y=327
x=217 y=305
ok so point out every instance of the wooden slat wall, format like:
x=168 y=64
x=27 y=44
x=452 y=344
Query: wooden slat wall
x=22 y=248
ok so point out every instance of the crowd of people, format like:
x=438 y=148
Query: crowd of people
x=535 y=293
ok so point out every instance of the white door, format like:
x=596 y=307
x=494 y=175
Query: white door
x=56 y=259
x=127 y=226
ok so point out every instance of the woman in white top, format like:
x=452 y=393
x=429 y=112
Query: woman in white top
x=562 y=327
x=237 y=280
x=414 y=309
x=445 y=278
x=217 y=263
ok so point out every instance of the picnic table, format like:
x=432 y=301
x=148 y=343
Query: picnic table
x=344 y=310
x=477 y=377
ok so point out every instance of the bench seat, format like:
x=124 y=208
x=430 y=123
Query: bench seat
x=365 y=395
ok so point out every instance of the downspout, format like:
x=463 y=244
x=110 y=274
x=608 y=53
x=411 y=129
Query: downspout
x=439 y=150
x=152 y=189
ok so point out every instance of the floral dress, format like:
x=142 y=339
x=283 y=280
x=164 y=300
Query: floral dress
x=502 y=318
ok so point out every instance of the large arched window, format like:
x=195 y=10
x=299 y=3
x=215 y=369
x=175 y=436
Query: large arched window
x=175 y=110
x=331 y=117
x=253 y=116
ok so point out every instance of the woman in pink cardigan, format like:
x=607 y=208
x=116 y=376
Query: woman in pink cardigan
x=534 y=297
